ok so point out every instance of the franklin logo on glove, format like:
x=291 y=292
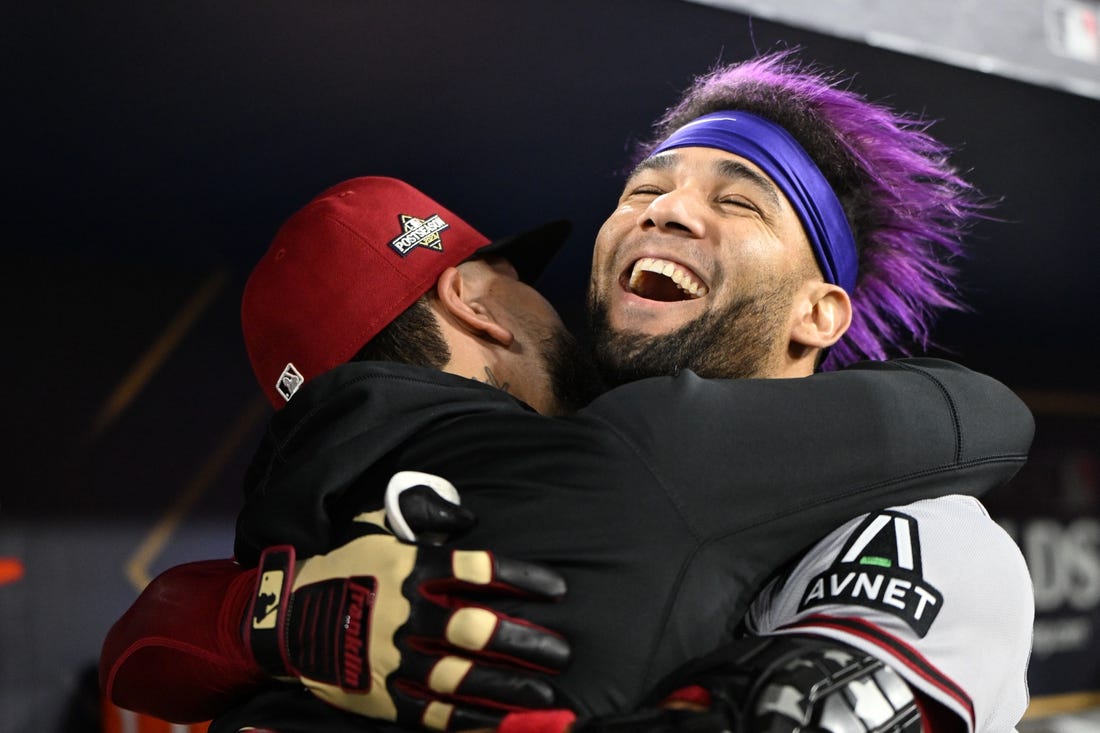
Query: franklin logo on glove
x=355 y=638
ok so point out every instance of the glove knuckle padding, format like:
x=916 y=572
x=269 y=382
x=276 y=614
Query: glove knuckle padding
x=472 y=628
x=448 y=674
x=473 y=566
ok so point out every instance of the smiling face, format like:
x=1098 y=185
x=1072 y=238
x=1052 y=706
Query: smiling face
x=703 y=259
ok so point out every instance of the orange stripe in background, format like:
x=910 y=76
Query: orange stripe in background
x=152 y=360
x=11 y=570
x=117 y=720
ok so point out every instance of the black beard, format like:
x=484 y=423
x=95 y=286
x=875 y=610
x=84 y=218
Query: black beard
x=574 y=379
x=736 y=342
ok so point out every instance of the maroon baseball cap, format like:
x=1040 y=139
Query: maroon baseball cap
x=348 y=263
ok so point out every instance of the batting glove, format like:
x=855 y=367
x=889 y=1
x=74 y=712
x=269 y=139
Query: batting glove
x=386 y=629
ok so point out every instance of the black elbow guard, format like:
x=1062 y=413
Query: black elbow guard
x=784 y=684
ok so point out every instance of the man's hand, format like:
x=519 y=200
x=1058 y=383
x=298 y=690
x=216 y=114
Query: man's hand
x=425 y=508
x=389 y=630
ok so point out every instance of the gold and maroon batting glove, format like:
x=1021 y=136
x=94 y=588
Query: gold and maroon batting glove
x=388 y=629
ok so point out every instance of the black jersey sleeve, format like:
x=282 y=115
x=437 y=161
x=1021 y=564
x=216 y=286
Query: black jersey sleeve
x=759 y=470
x=735 y=454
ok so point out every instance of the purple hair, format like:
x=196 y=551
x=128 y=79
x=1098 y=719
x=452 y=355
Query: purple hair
x=907 y=205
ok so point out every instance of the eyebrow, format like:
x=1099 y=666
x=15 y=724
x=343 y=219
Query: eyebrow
x=731 y=170
x=655 y=163
x=737 y=171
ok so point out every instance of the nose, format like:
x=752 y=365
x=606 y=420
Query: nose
x=674 y=212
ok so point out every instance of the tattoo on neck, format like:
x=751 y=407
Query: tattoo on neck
x=491 y=380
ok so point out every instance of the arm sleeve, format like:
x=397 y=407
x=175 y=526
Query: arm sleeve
x=178 y=653
x=936 y=589
x=740 y=453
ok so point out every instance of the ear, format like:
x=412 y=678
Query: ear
x=461 y=299
x=823 y=313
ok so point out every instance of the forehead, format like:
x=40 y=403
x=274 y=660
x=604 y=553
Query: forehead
x=720 y=166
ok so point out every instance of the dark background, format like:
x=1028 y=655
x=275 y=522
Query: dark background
x=152 y=149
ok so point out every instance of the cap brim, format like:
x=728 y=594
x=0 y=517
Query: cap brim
x=531 y=251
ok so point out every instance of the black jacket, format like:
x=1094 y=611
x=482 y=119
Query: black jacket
x=666 y=504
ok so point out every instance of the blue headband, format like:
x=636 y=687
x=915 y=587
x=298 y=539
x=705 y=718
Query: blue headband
x=780 y=156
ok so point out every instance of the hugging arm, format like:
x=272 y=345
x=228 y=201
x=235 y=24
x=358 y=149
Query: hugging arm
x=377 y=626
x=805 y=455
x=178 y=653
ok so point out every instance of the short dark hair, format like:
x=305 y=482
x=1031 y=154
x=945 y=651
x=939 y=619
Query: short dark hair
x=412 y=338
x=908 y=207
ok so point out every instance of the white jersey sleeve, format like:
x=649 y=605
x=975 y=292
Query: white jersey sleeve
x=936 y=588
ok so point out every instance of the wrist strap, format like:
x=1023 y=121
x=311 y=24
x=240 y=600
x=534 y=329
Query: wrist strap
x=265 y=622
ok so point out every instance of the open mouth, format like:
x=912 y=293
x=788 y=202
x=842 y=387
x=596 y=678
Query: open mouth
x=655 y=279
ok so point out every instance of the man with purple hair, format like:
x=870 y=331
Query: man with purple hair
x=775 y=225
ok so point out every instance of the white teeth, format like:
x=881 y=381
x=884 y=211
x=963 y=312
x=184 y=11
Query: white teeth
x=678 y=274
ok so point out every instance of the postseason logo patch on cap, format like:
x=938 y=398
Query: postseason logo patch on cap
x=418 y=232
